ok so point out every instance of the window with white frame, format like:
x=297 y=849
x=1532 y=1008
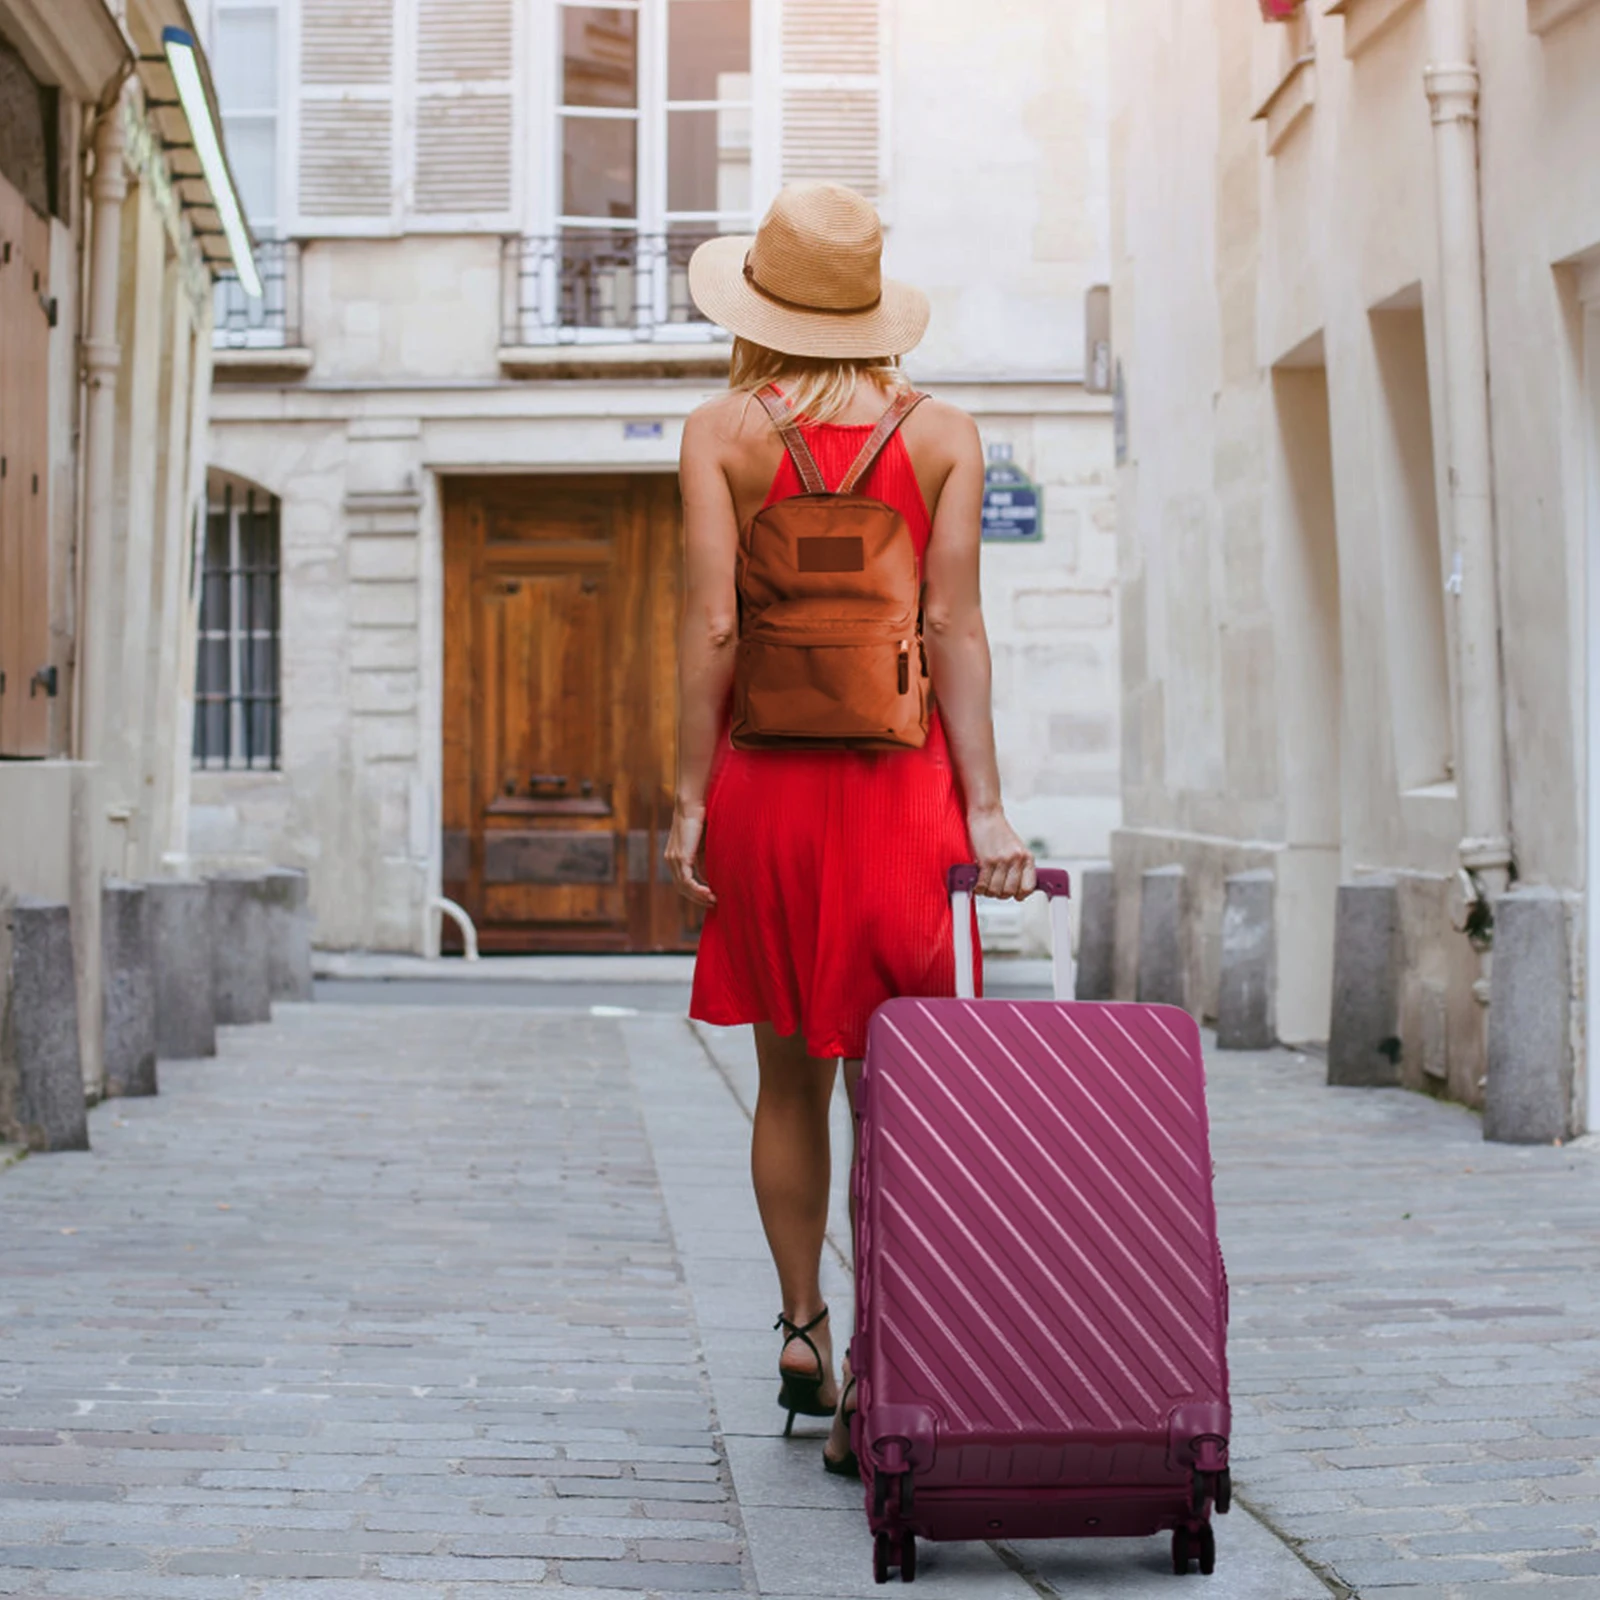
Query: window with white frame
x=244 y=41
x=236 y=700
x=244 y=51
x=654 y=106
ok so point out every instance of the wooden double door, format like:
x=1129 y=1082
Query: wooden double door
x=561 y=609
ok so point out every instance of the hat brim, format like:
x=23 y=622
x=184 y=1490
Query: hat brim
x=719 y=288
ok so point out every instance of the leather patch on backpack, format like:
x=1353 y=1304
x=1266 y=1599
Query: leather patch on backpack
x=831 y=555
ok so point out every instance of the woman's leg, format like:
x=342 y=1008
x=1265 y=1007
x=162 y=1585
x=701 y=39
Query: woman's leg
x=789 y=1161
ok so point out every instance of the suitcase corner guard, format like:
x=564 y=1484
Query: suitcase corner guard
x=903 y=1438
x=1197 y=1435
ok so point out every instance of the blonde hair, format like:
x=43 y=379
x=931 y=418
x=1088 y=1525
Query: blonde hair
x=817 y=388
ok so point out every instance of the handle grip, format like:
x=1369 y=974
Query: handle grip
x=1056 y=884
x=1052 y=881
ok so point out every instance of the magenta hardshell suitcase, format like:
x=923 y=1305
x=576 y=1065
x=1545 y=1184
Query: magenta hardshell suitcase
x=1041 y=1307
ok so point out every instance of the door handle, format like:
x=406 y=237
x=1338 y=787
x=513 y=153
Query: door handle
x=547 y=780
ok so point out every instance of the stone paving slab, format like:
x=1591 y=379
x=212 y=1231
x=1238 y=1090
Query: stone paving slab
x=1416 y=1335
x=448 y=1303
x=378 y=1305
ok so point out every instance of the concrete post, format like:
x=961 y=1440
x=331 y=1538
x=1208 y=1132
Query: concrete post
x=1163 y=976
x=1364 y=1035
x=129 y=995
x=1245 y=993
x=1528 y=1098
x=39 y=1040
x=287 y=896
x=1097 y=933
x=180 y=927
x=240 y=986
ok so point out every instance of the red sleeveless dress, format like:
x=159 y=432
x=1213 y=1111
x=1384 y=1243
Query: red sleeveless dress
x=829 y=865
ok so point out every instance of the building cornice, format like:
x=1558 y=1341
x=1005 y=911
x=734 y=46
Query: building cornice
x=77 y=45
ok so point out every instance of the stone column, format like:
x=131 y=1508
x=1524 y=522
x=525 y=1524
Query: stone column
x=180 y=928
x=1364 y=1034
x=287 y=896
x=1097 y=933
x=1528 y=1098
x=240 y=984
x=129 y=994
x=1245 y=990
x=1163 y=976
x=39 y=1046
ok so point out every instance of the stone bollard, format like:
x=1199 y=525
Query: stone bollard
x=50 y=1111
x=127 y=967
x=1245 y=989
x=1364 y=1032
x=1097 y=933
x=1528 y=1097
x=1163 y=980
x=287 y=896
x=180 y=935
x=240 y=987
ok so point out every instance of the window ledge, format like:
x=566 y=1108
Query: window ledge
x=1289 y=102
x=614 y=361
x=1366 y=20
x=260 y=362
x=1543 y=15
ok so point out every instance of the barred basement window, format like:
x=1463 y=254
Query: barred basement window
x=236 y=711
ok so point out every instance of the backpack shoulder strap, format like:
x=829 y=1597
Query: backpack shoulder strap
x=900 y=408
x=811 y=479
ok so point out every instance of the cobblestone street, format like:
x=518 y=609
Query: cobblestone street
x=443 y=1303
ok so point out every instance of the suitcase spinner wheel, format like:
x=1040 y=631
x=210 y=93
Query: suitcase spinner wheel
x=889 y=1553
x=1191 y=1545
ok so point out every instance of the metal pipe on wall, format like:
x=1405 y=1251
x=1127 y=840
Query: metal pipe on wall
x=102 y=356
x=1453 y=86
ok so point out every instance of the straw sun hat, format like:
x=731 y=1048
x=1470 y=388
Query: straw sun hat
x=809 y=283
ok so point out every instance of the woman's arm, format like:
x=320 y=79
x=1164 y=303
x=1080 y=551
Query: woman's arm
x=958 y=658
x=707 y=635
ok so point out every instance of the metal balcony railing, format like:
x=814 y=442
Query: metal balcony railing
x=602 y=285
x=273 y=321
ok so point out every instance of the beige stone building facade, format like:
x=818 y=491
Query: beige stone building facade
x=464 y=403
x=1356 y=325
x=110 y=239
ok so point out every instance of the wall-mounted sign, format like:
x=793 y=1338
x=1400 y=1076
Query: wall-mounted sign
x=641 y=430
x=1013 y=504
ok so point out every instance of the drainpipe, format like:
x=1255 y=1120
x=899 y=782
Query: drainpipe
x=1452 y=84
x=102 y=361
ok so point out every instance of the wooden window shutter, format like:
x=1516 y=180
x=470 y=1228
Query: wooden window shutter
x=347 y=111
x=465 y=121
x=30 y=681
x=832 y=93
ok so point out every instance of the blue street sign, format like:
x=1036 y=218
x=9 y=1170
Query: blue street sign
x=1013 y=505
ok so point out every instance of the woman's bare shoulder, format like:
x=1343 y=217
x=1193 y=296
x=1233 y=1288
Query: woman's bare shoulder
x=944 y=430
x=724 y=421
x=940 y=421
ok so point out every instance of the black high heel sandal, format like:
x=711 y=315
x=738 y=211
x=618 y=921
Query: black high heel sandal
x=800 y=1394
x=845 y=1466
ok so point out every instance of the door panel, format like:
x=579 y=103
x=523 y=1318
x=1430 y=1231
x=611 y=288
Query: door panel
x=561 y=598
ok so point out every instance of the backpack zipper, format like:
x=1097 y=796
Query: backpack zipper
x=905 y=666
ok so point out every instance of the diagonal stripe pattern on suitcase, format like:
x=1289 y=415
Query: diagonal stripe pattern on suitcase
x=1042 y=1218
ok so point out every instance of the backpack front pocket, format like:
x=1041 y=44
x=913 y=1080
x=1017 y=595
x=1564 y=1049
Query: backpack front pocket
x=829 y=688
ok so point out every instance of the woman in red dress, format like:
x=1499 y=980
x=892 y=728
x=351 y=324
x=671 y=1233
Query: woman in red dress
x=823 y=871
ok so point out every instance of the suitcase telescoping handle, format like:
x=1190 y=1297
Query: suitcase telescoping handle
x=1056 y=883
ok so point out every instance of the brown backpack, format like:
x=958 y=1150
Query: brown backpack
x=830 y=611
